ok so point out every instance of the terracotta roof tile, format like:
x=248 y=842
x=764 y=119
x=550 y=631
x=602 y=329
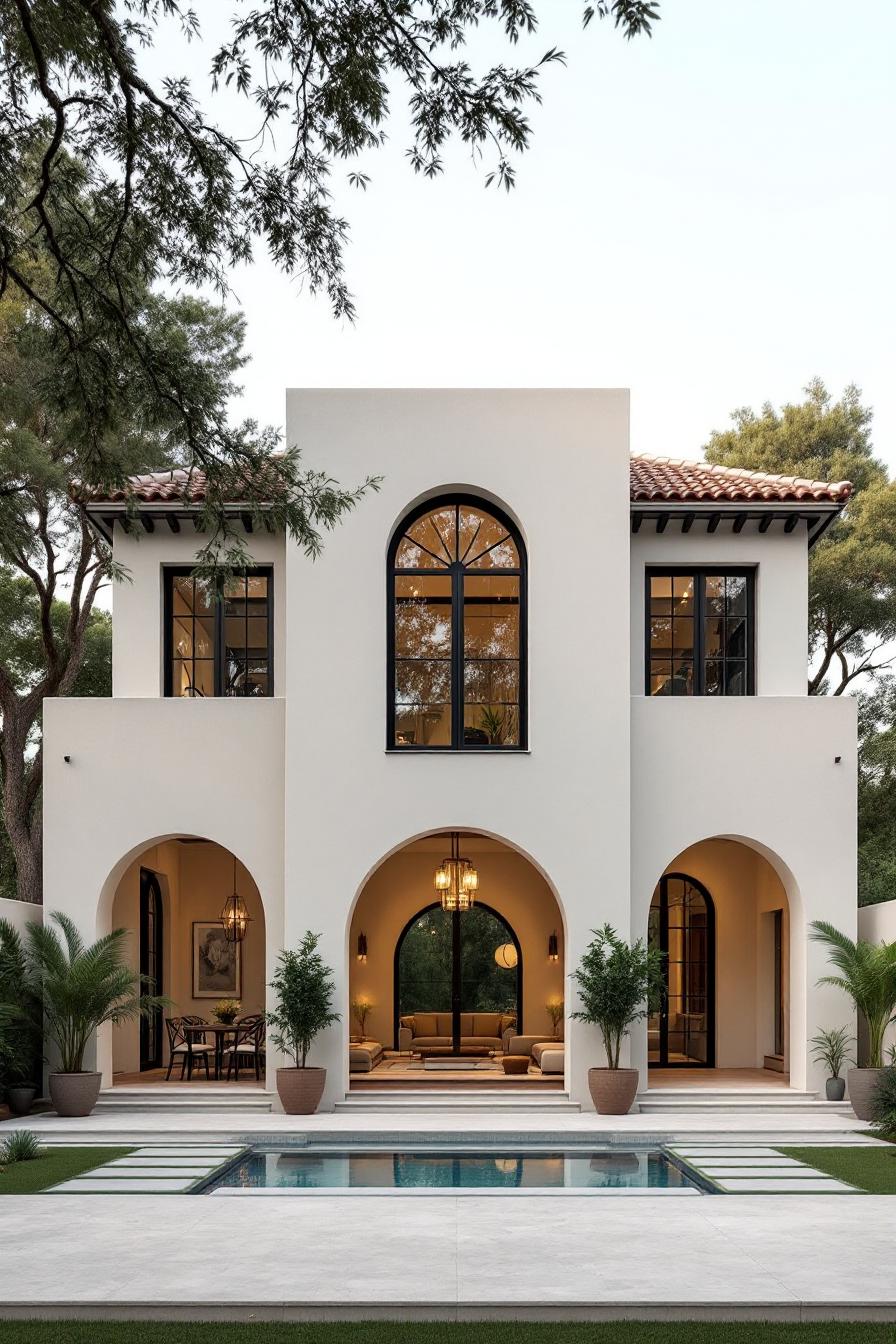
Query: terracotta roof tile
x=666 y=480
x=659 y=480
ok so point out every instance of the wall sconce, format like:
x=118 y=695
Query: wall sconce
x=553 y=947
x=362 y=948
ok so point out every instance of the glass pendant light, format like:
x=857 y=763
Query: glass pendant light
x=456 y=880
x=235 y=917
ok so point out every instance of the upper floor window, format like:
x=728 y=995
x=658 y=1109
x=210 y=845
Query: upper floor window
x=457 y=633
x=700 y=631
x=218 y=645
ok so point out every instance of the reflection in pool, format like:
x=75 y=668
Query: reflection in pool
x=458 y=1170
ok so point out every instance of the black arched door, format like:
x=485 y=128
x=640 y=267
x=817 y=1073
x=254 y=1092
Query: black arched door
x=445 y=962
x=151 y=968
x=682 y=925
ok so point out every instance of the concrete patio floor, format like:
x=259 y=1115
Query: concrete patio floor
x=790 y=1257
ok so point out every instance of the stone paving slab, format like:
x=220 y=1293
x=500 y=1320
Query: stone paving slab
x=207 y=1162
x=123 y=1185
x=783 y=1185
x=185 y=1150
x=110 y=1173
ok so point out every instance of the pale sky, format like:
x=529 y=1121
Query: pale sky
x=706 y=217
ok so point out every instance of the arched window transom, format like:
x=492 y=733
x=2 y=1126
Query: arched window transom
x=457 y=591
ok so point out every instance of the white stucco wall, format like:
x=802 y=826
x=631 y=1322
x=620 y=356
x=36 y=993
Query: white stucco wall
x=20 y=913
x=558 y=462
x=143 y=771
x=761 y=770
x=137 y=608
x=782 y=594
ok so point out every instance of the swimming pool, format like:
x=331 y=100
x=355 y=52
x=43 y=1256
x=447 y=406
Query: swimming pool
x=447 y=1170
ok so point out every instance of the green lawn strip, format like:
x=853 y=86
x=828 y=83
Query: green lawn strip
x=872 y=1169
x=419 y=1332
x=55 y=1165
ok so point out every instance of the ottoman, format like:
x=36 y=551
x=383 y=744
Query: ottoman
x=363 y=1055
x=553 y=1060
x=515 y=1063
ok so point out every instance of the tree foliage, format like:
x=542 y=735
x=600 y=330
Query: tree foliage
x=75 y=988
x=303 y=984
x=867 y=973
x=877 y=793
x=618 y=984
x=852 y=577
x=112 y=185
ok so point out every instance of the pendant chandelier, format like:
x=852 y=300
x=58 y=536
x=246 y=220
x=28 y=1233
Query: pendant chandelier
x=235 y=917
x=456 y=880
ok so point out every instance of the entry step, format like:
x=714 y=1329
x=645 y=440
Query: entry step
x=434 y=1100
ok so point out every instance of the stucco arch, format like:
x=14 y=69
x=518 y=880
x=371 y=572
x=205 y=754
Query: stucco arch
x=687 y=858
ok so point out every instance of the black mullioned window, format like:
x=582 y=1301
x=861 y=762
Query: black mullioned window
x=457 y=629
x=700 y=631
x=215 y=645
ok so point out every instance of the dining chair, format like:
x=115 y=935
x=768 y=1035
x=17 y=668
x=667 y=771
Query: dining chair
x=179 y=1048
x=248 y=1045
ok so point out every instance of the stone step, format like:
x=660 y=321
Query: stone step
x=666 y=1102
x=434 y=1100
x=210 y=1100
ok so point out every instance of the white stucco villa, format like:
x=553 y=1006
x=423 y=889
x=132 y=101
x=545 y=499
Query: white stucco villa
x=580 y=670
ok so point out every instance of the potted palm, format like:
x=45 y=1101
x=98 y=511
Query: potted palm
x=831 y=1048
x=78 y=988
x=618 y=984
x=867 y=973
x=303 y=984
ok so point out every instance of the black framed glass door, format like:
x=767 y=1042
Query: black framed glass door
x=151 y=968
x=445 y=962
x=681 y=1034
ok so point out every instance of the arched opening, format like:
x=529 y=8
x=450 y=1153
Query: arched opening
x=428 y=984
x=721 y=913
x=171 y=896
x=471 y=959
x=681 y=1032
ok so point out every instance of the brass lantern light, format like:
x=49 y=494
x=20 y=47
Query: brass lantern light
x=456 y=880
x=235 y=917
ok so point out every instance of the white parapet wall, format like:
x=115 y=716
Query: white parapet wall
x=877 y=923
x=20 y=913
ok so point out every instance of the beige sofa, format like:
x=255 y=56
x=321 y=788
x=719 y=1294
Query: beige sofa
x=430 y=1033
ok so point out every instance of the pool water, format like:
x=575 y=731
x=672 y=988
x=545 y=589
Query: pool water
x=444 y=1169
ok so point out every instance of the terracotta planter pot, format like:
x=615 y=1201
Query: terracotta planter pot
x=74 y=1093
x=20 y=1099
x=300 y=1090
x=862 y=1083
x=613 y=1090
x=835 y=1089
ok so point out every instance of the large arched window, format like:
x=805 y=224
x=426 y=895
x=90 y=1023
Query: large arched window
x=457 y=624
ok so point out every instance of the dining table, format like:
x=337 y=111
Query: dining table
x=195 y=1031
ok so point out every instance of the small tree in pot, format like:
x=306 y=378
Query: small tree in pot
x=831 y=1048
x=303 y=984
x=77 y=988
x=618 y=984
x=868 y=976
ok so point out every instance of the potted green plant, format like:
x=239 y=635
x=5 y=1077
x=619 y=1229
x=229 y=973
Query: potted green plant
x=78 y=988
x=867 y=973
x=554 y=1009
x=361 y=1009
x=618 y=984
x=831 y=1048
x=303 y=984
x=227 y=1011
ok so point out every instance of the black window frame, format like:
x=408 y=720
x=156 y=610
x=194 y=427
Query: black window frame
x=172 y=572
x=700 y=573
x=456 y=571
